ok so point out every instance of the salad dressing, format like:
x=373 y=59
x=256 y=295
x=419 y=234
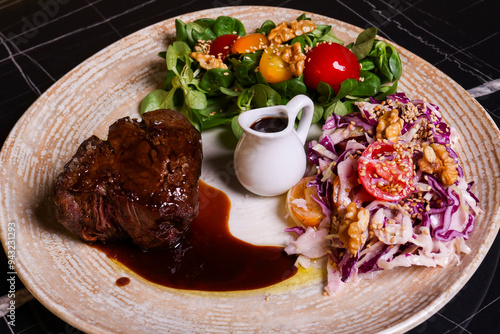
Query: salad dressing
x=209 y=258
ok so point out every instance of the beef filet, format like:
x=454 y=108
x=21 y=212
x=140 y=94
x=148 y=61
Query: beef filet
x=141 y=183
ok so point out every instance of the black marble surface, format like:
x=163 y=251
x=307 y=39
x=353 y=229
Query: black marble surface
x=43 y=40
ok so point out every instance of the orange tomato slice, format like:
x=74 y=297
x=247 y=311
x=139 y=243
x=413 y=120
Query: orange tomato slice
x=301 y=205
x=250 y=43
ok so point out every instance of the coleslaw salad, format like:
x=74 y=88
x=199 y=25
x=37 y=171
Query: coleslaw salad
x=374 y=220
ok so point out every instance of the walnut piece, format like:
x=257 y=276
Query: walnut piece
x=353 y=224
x=208 y=61
x=429 y=163
x=301 y=27
x=294 y=56
x=389 y=126
x=436 y=160
x=282 y=32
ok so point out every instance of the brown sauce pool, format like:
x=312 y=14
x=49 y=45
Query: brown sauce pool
x=209 y=258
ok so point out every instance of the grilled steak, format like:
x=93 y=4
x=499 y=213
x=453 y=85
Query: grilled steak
x=141 y=183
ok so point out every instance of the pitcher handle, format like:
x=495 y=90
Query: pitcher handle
x=304 y=103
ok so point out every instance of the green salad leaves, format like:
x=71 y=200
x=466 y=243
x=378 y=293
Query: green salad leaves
x=214 y=97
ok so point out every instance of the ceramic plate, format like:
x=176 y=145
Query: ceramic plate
x=77 y=282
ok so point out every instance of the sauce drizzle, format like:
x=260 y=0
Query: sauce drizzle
x=209 y=258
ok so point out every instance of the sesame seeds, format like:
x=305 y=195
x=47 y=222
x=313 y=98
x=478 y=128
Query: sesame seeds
x=409 y=112
x=203 y=46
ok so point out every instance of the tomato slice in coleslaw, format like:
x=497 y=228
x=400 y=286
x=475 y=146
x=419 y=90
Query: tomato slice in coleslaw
x=302 y=206
x=386 y=170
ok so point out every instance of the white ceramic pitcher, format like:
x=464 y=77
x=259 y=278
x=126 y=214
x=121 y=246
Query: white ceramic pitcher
x=270 y=163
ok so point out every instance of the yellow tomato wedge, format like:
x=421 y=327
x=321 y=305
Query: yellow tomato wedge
x=273 y=68
x=301 y=205
x=250 y=43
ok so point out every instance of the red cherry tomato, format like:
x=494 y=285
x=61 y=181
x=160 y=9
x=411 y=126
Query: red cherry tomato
x=331 y=63
x=221 y=46
x=386 y=171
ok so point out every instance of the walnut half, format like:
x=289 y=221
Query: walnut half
x=208 y=61
x=436 y=160
x=353 y=224
x=283 y=33
x=294 y=56
x=389 y=126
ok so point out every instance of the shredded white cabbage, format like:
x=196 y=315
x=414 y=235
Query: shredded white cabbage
x=312 y=244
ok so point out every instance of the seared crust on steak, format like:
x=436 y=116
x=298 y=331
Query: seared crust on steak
x=141 y=183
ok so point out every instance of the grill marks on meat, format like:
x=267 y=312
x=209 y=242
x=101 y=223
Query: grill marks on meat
x=142 y=182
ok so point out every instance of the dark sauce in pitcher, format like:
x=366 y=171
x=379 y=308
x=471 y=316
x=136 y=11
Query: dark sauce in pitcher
x=270 y=124
x=209 y=258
